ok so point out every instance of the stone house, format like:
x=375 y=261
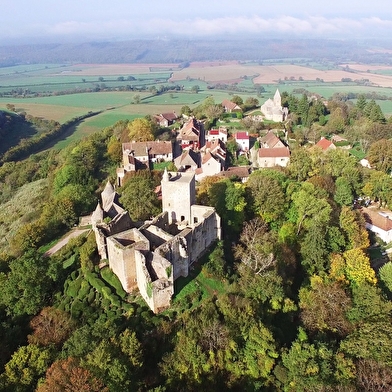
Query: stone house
x=141 y=155
x=270 y=157
x=189 y=160
x=270 y=140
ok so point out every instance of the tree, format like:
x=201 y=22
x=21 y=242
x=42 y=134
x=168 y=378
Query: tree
x=26 y=366
x=357 y=268
x=50 y=326
x=353 y=225
x=324 y=306
x=68 y=376
x=385 y=274
x=237 y=100
x=136 y=99
x=140 y=130
x=139 y=198
x=25 y=288
x=195 y=89
x=256 y=249
x=380 y=155
x=268 y=195
x=300 y=164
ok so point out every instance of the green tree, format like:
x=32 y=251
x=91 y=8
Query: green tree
x=380 y=155
x=343 y=194
x=139 y=198
x=26 y=366
x=385 y=274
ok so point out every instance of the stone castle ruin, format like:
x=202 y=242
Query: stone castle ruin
x=150 y=258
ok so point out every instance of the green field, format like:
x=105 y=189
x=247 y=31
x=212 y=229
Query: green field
x=117 y=105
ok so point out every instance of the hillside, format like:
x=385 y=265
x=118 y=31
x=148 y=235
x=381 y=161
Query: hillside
x=178 y=51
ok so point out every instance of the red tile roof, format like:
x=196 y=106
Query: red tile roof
x=324 y=143
x=241 y=135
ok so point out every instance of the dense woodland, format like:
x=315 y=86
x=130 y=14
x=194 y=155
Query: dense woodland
x=289 y=302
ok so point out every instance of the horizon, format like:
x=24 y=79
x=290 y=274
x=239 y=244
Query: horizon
x=74 y=21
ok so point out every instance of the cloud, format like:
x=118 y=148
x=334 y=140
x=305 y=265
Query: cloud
x=203 y=27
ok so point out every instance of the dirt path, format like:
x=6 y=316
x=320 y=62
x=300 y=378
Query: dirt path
x=64 y=241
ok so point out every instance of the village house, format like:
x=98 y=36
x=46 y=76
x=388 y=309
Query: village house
x=141 y=155
x=230 y=107
x=270 y=157
x=273 y=110
x=220 y=133
x=270 y=140
x=242 y=139
x=325 y=144
x=150 y=258
x=189 y=160
x=242 y=172
x=379 y=223
x=191 y=135
x=166 y=119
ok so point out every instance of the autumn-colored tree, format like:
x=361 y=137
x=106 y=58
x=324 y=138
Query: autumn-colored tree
x=50 y=326
x=257 y=244
x=373 y=376
x=140 y=130
x=353 y=225
x=324 y=306
x=357 y=267
x=68 y=376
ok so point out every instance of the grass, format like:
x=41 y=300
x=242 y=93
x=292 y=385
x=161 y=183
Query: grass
x=18 y=211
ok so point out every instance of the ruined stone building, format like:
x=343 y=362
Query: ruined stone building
x=150 y=258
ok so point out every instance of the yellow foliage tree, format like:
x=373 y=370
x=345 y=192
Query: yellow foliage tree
x=140 y=130
x=358 y=269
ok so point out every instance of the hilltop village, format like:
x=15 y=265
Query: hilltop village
x=151 y=257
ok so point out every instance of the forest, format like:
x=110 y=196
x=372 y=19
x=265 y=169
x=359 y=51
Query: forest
x=289 y=300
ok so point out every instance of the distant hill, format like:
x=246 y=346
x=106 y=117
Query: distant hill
x=178 y=51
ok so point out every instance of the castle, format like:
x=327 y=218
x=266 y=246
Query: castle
x=150 y=258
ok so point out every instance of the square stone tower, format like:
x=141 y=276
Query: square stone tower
x=178 y=194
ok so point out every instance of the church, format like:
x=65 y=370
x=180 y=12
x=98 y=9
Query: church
x=272 y=109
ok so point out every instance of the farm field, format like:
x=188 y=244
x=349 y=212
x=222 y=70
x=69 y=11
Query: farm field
x=114 y=105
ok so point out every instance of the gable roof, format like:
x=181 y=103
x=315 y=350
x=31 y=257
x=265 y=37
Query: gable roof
x=374 y=218
x=239 y=171
x=324 y=143
x=157 y=147
x=270 y=139
x=187 y=158
x=279 y=152
x=230 y=105
x=190 y=130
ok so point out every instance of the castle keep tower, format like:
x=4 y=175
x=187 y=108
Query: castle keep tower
x=178 y=195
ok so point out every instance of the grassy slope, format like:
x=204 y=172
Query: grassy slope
x=20 y=209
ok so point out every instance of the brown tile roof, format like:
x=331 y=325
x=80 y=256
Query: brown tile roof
x=240 y=171
x=279 y=152
x=230 y=105
x=153 y=148
x=376 y=219
x=190 y=130
x=270 y=139
x=171 y=116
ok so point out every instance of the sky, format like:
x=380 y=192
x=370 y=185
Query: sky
x=26 y=21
